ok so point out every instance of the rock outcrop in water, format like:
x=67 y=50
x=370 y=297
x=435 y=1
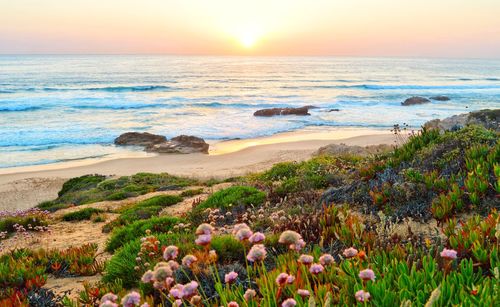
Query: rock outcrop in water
x=415 y=100
x=489 y=119
x=183 y=144
x=440 y=98
x=284 y=111
x=139 y=139
x=158 y=143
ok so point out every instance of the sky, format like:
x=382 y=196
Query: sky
x=424 y=28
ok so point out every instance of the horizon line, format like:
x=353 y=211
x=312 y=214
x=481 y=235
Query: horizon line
x=254 y=55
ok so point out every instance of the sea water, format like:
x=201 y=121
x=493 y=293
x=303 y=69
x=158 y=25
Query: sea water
x=61 y=107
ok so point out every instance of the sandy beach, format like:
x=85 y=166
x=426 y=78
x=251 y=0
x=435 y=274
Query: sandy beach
x=25 y=187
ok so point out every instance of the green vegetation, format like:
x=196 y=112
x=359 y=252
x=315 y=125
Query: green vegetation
x=236 y=195
x=291 y=177
x=24 y=269
x=19 y=221
x=80 y=215
x=94 y=188
x=348 y=215
x=148 y=208
x=135 y=230
x=432 y=173
x=122 y=265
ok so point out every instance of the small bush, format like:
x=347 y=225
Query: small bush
x=147 y=208
x=81 y=183
x=120 y=236
x=94 y=188
x=80 y=215
x=99 y=219
x=237 y=195
x=228 y=249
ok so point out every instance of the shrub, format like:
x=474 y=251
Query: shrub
x=95 y=188
x=80 y=215
x=122 y=235
x=237 y=195
x=228 y=249
x=144 y=210
x=81 y=183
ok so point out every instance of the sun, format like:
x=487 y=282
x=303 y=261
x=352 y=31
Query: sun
x=248 y=37
x=248 y=40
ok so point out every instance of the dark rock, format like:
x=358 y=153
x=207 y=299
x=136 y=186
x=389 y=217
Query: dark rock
x=181 y=144
x=139 y=139
x=415 y=100
x=284 y=111
x=440 y=98
x=333 y=110
x=489 y=119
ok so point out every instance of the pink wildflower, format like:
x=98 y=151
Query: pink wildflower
x=449 y=254
x=238 y=227
x=174 y=265
x=289 y=237
x=189 y=289
x=303 y=292
x=306 y=259
x=297 y=246
x=230 y=277
x=109 y=297
x=147 y=277
x=281 y=279
x=350 y=252
x=108 y=304
x=131 y=299
x=289 y=303
x=203 y=240
x=249 y=295
x=233 y=304
x=362 y=296
x=171 y=252
x=326 y=259
x=257 y=237
x=244 y=234
x=169 y=281
x=177 y=291
x=257 y=253
x=204 y=229
x=161 y=273
x=188 y=260
x=316 y=269
x=290 y=279
x=367 y=275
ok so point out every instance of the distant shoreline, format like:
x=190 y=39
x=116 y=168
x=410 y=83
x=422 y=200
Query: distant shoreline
x=24 y=187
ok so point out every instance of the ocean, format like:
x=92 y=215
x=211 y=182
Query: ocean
x=60 y=107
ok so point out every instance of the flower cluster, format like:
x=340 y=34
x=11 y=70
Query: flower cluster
x=292 y=239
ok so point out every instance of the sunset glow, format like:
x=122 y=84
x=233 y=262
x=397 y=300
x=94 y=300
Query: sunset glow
x=222 y=27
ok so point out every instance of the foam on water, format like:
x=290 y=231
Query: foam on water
x=55 y=108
